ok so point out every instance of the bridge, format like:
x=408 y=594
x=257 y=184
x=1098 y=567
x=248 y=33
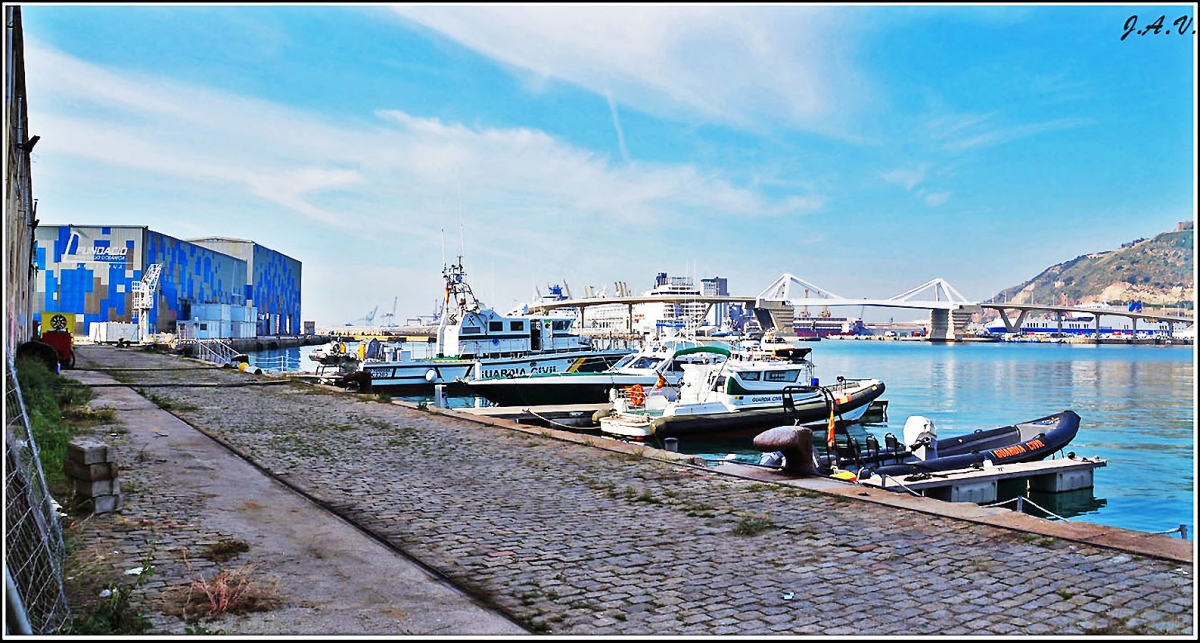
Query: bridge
x=950 y=312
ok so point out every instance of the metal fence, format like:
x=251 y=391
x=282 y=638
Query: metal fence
x=35 y=601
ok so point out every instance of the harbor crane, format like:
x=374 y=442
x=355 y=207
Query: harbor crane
x=143 y=298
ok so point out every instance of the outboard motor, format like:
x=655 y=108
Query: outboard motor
x=921 y=437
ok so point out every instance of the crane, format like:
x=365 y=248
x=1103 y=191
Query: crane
x=390 y=317
x=143 y=298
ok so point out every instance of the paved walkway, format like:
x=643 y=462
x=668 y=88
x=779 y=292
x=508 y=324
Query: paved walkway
x=563 y=537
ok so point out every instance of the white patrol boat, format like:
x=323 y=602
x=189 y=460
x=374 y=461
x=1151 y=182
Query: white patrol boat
x=475 y=342
x=749 y=391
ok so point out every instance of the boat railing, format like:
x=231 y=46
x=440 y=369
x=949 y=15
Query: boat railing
x=277 y=363
x=215 y=351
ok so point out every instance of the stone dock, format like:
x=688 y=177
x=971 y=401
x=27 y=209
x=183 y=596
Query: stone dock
x=515 y=529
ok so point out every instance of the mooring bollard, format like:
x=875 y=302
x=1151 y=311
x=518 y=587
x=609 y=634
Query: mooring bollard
x=672 y=444
x=439 y=394
x=796 y=445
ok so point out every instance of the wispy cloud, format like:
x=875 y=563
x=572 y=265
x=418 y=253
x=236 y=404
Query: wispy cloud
x=741 y=66
x=612 y=107
x=906 y=177
x=963 y=132
x=910 y=178
x=935 y=199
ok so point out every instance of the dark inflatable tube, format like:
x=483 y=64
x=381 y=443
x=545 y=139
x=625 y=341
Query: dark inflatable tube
x=1028 y=442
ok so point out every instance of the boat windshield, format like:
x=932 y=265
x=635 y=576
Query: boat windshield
x=645 y=362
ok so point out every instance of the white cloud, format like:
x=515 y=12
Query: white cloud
x=936 y=198
x=747 y=66
x=958 y=133
x=907 y=177
x=375 y=197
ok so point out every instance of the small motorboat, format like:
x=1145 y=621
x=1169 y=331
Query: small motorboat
x=923 y=452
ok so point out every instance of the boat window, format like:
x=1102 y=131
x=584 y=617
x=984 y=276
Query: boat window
x=750 y=376
x=470 y=330
x=646 y=362
x=720 y=383
x=561 y=325
x=624 y=361
x=781 y=376
x=496 y=326
x=518 y=325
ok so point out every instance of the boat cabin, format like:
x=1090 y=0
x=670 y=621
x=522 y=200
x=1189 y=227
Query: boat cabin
x=486 y=333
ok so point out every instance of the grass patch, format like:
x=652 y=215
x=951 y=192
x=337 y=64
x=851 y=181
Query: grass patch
x=751 y=525
x=383 y=398
x=101 y=603
x=168 y=404
x=1040 y=541
x=58 y=411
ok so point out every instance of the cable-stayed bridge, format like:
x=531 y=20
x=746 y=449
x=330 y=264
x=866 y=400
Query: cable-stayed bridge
x=949 y=311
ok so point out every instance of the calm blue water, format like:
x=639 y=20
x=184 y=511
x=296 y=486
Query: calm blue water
x=1137 y=405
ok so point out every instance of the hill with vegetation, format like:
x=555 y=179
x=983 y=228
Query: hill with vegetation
x=1158 y=272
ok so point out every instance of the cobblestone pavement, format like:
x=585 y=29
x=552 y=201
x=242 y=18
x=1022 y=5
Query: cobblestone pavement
x=568 y=539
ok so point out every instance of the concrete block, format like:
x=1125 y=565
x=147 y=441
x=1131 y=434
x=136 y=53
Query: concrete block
x=1062 y=481
x=100 y=471
x=974 y=492
x=982 y=491
x=106 y=504
x=87 y=451
x=96 y=488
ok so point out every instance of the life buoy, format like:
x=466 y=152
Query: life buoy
x=637 y=395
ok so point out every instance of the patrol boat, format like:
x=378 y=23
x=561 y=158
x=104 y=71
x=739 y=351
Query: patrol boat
x=475 y=342
x=748 y=391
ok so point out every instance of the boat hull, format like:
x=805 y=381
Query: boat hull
x=1025 y=442
x=581 y=388
x=456 y=375
x=851 y=402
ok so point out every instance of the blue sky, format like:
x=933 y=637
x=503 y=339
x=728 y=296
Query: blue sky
x=866 y=149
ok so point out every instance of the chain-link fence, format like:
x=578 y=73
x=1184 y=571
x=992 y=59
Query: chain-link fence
x=35 y=601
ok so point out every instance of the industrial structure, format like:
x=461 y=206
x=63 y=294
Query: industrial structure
x=200 y=288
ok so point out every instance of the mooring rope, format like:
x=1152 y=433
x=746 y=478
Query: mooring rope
x=1021 y=500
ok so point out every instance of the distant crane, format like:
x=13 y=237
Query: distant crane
x=143 y=298
x=369 y=317
x=390 y=317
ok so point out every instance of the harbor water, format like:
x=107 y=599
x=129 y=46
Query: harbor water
x=1137 y=405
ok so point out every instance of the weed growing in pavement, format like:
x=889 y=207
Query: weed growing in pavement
x=383 y=398
x=200 y=630
x=115 y=613
x=168 y=404
x=227 y=592
x=751 y=525
x=1040 y=541
x=224 y=550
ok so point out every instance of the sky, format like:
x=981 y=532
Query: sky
x=866 y=149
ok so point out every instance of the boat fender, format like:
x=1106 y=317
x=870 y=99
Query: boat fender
x=430 y=375
x=844 y=475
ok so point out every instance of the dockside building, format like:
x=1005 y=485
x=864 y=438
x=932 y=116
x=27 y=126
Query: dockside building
x=212 y=287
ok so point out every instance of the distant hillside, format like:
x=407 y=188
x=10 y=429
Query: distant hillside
x=1157 y=272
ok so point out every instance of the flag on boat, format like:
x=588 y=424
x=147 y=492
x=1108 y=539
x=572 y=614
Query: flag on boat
x=662 y=381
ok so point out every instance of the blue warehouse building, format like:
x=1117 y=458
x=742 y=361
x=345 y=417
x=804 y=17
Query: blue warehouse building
x=273 y=284
x=88 y=274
